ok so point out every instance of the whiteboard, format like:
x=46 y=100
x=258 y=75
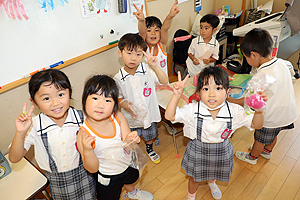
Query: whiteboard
x=56 y=35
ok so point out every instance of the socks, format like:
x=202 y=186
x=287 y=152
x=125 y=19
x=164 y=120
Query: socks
x=252 y=157
x=133 y=193
x=266 y=150
x=149 y=147
x=192 y=195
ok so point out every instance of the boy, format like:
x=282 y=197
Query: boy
x=204 y=49
x=156 y=34
x=136 y=83
x=281 y=110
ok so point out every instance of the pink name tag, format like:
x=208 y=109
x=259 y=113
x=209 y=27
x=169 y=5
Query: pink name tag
x=226 y=133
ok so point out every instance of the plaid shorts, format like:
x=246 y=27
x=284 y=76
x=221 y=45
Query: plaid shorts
x=267 y=135
x=149 y=133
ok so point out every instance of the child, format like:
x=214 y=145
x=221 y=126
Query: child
x=53 y=134
x=156 y=34
x=136 y=83
x=209 y=123
x=281 y=109
x=104 y=128
x=204 y=44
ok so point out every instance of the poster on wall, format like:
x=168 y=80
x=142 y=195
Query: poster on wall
x=138 y=3
x=198 y=5
x=93 y=8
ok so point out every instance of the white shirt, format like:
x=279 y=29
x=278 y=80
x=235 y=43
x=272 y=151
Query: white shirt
x=198 y=48
x=211 y=129
x=109 y=150
x=61 y=142
x=140 y=89
x=281 y=109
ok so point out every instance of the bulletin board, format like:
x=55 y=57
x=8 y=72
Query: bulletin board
x=62 y=34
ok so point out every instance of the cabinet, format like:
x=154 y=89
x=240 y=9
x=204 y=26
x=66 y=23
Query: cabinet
x=232 y=41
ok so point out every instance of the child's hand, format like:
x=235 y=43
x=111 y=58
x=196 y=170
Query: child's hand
x=151 y=59
x=128 y=107
x=139 y=13
x=206 y=61
x=133 y=136
x=263 y=95
x=23 y=121
x=179 y=86
x=174 y=10
x=86 y=140
x=196 y=61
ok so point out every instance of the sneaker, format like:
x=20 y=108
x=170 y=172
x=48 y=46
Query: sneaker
x=215 y=191
x=245 y=157
x=141 y=195
x=266 y=153
x=190 y=198
x=154 y=156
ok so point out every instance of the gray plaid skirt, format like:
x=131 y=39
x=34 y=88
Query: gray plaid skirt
x=208 y=161
x=74 y=184
x=149 y=133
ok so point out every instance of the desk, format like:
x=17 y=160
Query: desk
x=24 y=182
x=164 y=96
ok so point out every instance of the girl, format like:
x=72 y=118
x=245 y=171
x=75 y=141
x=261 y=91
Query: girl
x=209 y=123
x=53 y=134
x=100 y=141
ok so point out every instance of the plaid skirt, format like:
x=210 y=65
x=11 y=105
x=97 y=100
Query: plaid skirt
x=149 y=133
x=75 y=184
x=208 y=161
x=267 y=135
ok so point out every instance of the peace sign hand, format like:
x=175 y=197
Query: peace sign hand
x=179 y=86
x=139 y=14
x=151 y=59
x=86 y=140
x=174 y=10
x=24 y=121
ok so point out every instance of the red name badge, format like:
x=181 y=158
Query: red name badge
x=226 y=133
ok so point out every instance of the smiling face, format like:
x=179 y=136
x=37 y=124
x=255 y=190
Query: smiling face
x=53 y=102
x=131 y=59
x=153 y=35
x=98 y=107
x=212 y=94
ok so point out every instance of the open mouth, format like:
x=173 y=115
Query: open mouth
x=57 y=110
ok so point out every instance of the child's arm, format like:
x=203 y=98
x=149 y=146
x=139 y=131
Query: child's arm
x=127 y=106
x=167 y=24
x=178 y=90
x=127 y=135
x=162 y=77
x=258 y=120
x=195 y=60
x=23 y=123
x=209 y=60
x=84 y=145
x=142 y=22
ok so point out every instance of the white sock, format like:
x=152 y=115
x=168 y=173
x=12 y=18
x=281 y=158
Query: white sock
x=215 y=191
x=133 y=193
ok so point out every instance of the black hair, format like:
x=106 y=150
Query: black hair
x=211 y=19
x=219 y=75
x=257 y=40
x=54 y=76
x=152 y=20
x=132 y=41
x=106 y=84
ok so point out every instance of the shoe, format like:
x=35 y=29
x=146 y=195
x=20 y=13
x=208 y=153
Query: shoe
x=141 y=195
x=245 y=157
x=190 y=198
x=154 y=156
x=215 y=191
x=265 y=154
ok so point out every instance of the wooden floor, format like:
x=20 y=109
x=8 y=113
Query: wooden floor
x=277 y=178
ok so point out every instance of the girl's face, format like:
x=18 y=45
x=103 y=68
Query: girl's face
x=212 y=94
x=98 y=107
x=53 y=102
x=153 y=35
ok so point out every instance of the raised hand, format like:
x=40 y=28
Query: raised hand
x=86 y=140
x=139 y=13
x=24 y=120
x=179 y=86
x=174 y=10
x=151 y=58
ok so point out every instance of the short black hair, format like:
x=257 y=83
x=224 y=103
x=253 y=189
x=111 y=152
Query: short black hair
x=106 y=84
x=220 y=77
x=55 y=76
x=211 y=19
x=132 y=41
x=152 y=20
x=257 y=40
